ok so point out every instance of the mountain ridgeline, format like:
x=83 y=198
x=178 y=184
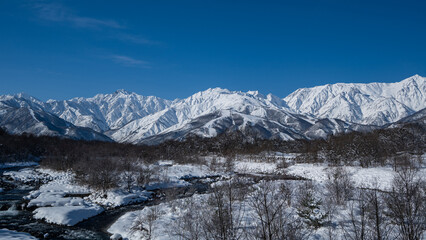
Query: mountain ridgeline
x=307 y=113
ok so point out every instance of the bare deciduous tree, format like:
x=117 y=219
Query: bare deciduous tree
x=357 y=227
x=128 y=174
x=144 y=222
x=380 y=225
x=268 y=204
x=339 y=185
x=189 y=225
x=223 y=220
x=406 y=204
x=143 y=176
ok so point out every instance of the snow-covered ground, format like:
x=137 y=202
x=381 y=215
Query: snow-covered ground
x=374 y=177
x=27 y=175
x=55 y=201
x=118 y=197
x=68 y=214
x=62 y=201
x=178 y=171
x=255 y=167
x=13 y=235
x=167 y=174
x=170 y=215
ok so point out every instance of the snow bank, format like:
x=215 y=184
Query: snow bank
x=123 y=225
x=171 y=176
x=54 y=192
x=116 y=198
x=13 y=235
x=26 y=175
x=59 y=201
x=67 y=215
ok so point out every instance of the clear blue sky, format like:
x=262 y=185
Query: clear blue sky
x=172 y=49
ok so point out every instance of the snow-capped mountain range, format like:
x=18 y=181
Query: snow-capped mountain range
x=304 y=114
x=373 y=103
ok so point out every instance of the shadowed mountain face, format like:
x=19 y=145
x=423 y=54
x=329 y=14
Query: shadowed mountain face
x=305 y=114
x=28 y=120
x=416 y=118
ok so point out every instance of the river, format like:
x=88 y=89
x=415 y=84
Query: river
x=14 y=217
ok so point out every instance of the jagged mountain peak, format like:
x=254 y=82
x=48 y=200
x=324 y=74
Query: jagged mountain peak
x=217 y=98
x=366 y=103
x=210 y=92
x=108 y=111
x=415 y=77
x=122 y=91
x=201 y=104
x=306 y=113
x=26 y=96
x=21 y=95
x=21 y=100
x=256 y=94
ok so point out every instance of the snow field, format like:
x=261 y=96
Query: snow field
x=171 y=214
x=374 y=177
x=255 y=167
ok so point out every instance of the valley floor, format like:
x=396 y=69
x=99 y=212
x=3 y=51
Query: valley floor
x=181 y=211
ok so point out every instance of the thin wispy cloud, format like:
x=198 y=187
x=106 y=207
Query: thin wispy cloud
x=136 y=39
x=56 y=12
x=129 y=61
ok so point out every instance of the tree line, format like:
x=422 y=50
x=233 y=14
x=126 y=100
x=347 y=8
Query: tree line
x=367 y=148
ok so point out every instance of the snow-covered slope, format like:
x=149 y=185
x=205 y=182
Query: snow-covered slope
x=217 y=110
x=270 y=127
x=183 y=112
x=418 y=117
x=18 y=116
x=306 y=113
x=106 y=111
x=373 y=103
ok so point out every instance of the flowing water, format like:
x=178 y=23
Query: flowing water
x=14 y=217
